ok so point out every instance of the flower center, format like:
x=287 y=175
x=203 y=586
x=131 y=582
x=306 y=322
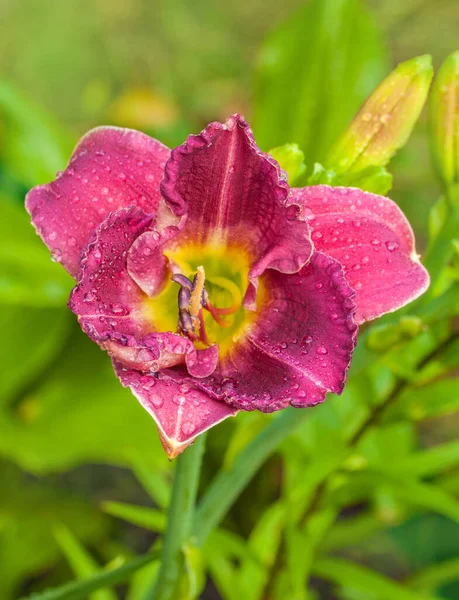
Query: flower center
x=203 y=297
x=193 y=299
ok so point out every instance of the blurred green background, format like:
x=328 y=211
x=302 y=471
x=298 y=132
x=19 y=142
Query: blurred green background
x=75 y=448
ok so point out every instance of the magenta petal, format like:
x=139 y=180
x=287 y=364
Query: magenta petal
x=298 y=348
x=109 y=304
x=180 y=411
x=226 y=191
x=374 y=242
x=147 y=264
x=111 y=168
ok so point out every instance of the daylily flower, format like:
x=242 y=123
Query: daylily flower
x=213 y=286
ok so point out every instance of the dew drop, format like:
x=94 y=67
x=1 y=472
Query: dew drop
x=391 y=246
x=56 y=255
x=157 y=401
x=117 y=309
x=188 y=428
x=321 y=350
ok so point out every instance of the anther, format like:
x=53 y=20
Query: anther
x=196 y=292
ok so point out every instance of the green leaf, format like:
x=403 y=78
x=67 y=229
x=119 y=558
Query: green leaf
x=433 y=577
x=309 y=101
x=291 y=160
x=28 y=511
x=432 y=461
x=142 y=581
x=79 y=590
x=263 y=545
x=142 y=516
x=374 y=179
x=32 y=339
x=81 y=409
x=302 y=549
x=349 y=575
x=434 y=400
x=28 y=277
x=351 y=531
x=33 y=146
x=82 y=563
x=229 y=483
x=427 y=496
x=154 y=483
x=383 y=337
x=322 y=176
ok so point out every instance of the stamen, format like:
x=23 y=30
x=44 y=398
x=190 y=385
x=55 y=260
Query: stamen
x=193 y=298
x=202 y=330
x=196 y=293
x=215 y=312
x=182 y=281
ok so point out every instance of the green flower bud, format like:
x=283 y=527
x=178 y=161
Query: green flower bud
x=444 y=111
x=386 y=119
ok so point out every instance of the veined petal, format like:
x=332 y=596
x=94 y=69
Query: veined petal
x=111 y=307
x=222 y=189
x=370 y=236
x=111 y=168
x=299 y=346
x=181 y=411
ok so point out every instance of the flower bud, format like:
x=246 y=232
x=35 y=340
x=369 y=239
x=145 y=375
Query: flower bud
x=386 y=119
x=444 y=118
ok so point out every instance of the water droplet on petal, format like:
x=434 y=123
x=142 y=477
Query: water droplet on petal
x=321 y=350
x=56 y=255
x=117 y=309
x=188 y=428
x=391 y=246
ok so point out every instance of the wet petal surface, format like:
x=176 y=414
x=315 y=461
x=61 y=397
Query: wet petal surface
x=224 y=189
x=180 y=411
x=371 y=238
x=111 y=168
x=298 y=348
x=112 y=310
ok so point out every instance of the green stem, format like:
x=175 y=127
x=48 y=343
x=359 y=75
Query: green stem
x=180 y=515
x=227 y=485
